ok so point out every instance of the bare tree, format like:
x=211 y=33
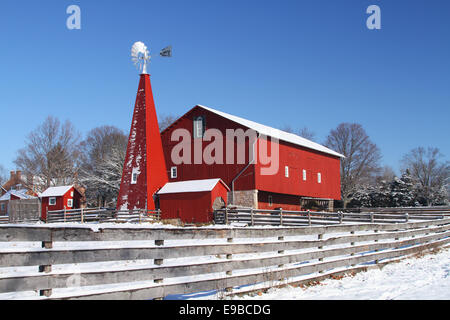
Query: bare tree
x=362 y=157
x=304 y=132
x=51 y=154
x=164 y=121
x=3 y=177
x=429 y=173
x=102 y=162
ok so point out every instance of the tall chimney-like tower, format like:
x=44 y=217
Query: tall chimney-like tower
x=144 y=170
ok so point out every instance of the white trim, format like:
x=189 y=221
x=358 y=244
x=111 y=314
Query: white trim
x=50 y=201
x=319 y=177
x=304 y=174
x=173 y=172
x=276 y=133
x=286 y=171
x=69 y=203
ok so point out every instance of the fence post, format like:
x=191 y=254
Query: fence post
x=226 y=215
x=64 y=213
x=229 y=272
x=281 y=238
x=281 y=217
x=46 y=269
x=352 y=244
x=376 y=250
x=309 y=218
x=320 y=237
x=82 y=216
x=251 y=217
x=371 y=217
x=406 y=217
x=340 y=215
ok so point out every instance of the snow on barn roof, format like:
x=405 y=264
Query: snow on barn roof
x=55 y=191
x=190 y=186
x=275 y=133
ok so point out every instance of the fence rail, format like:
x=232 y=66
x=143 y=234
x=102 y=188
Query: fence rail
x=4 y=219
x=216 y=258
x=281 y=217
x=103 y=215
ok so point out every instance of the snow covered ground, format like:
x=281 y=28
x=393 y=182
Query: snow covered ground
x=424 y=278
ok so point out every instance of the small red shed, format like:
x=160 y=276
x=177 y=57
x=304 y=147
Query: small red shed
x=192 y=201
x=59 y=198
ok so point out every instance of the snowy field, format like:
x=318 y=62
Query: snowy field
x=423 y=278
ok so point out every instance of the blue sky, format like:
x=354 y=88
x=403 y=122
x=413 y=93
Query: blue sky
x=298 y=63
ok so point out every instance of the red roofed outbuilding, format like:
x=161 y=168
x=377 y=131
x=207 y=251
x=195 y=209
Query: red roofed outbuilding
x=192 y=201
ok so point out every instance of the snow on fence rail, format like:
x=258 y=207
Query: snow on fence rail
x=103 y=215
x=145 y=263
x=281 y=217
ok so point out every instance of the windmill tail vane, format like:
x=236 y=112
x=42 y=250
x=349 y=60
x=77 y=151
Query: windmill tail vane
x=166 y=52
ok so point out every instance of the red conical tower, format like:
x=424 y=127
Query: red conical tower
x=144 y=170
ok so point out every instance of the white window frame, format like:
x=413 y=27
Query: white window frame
x=69 y=203
x=286 y=171
x=304 y=174
x=71 y=193
x=50 y=202
x=173 y=172
x=319 y=177
x=198 y=127
x=134 y=175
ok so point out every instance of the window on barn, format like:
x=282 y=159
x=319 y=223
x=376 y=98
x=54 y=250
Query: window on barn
x=319 y=177
x=270 y=201
x=2 y=207
x=69 y=203
x=199 y=127
x=173 y=172
x=71 y=193
x=134 y=175
x=52 y=201
x=304 y=175
x=286 y=171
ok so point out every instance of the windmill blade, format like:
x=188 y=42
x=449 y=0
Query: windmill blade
x=166 y=52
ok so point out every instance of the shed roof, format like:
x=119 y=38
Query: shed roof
x=55 y=191
x=191 y=186
x=275 y=133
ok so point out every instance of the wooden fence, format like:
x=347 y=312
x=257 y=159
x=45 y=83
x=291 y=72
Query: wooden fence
x=422 y=210
x=4 y=219
x=103 y=215
x=281 y=217
x=224 y=259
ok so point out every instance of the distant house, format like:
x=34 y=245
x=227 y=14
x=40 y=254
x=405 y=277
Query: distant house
x=60 y=198
x=16 y=188
x=12 y=195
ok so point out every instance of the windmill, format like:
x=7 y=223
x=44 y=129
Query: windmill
x=144 y=171
x=141 y=56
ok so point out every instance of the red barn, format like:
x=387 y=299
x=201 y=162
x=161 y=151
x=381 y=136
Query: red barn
x=192 y=201
x=266 y=169
x=59 y=198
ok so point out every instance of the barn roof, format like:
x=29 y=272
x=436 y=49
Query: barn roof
x=275 y=133
x=55 y=191
x=190 y=186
